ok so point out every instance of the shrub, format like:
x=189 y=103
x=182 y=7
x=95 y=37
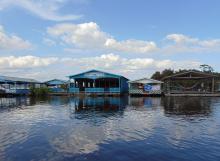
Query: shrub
x=42 y=91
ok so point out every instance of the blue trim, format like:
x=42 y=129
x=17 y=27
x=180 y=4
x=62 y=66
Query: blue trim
x=114 y=90
x=73 y=90
x=22 y=91
x=94 y=90
x=57 y=90
x=55 y=82
x=102 y=75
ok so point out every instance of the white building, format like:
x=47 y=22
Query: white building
x=145 y=86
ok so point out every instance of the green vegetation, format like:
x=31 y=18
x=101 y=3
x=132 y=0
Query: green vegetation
x=42 y=91
x=64 y=87
x=206 y=68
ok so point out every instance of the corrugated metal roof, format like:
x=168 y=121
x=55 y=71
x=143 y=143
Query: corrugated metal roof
x=55 y=82
x=146 y=81
x=16 y=79
x=94 y=74
x=195 y=72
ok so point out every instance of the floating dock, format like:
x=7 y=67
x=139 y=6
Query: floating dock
x=193 y=95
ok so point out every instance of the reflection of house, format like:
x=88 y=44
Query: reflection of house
x=56 y=85
x=145 y=101
x=14 y=85
x=100 y=103
x=97 y=82
x=187 y=106
x=191 y=82
x=145 y=86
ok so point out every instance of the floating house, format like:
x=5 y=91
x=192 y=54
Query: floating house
x=192 y=82
x=14 y=85
x=98 y=82
x=145 y=86
x=56 y=85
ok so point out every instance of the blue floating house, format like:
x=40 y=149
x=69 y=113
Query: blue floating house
x=97 y=82
x=56 y=85
x=15 y=85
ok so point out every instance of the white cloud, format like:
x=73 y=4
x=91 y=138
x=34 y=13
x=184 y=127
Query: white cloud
x=179 y=43
x=45 y=9
x=12 y=62
x=90 y=36
x=180 y=38
x=45 y=68
x=12 y=42
x=134 y=46
x=115 y=62
x=49 y=42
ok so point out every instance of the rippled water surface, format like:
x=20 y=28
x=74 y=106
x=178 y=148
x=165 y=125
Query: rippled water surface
x=110 y=129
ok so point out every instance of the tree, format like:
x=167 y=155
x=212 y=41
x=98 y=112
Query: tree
x=206 y=68
x=156 y=75
x=166 y=72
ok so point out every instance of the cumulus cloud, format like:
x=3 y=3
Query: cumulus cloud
x=44 y=68
x=12 y=42
x=90 y=36
x=133 y=46
x=46 y=9
x=49 y=42
x=12 y=62
x=179 y=43
x=115 y=62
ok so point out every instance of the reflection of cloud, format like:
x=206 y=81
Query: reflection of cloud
x=12 y=134
x=78 y=140
x=85 y=136
x=16 y=124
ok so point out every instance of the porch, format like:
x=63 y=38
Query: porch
x=103 y=85
x=191 y=83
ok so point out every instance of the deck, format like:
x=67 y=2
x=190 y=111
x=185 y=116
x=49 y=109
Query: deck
x=193 y=94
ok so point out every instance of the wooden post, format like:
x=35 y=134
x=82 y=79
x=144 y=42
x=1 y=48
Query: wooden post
x=213 y=85
x=119 y=81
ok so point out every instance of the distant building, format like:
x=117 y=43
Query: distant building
x=98 y=82
x=145 y=86
x=15 y=85
x=192 y=82
x=56 y=85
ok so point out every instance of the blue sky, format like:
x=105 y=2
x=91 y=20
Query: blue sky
x=56 y=38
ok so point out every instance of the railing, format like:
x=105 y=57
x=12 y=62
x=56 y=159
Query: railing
x=74 y=90
x=94 y=90
x=114 y=90
x=57 y=90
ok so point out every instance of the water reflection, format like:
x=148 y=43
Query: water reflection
x=109 y=128
x=188 y=106
x=100 y=103
x=98 y=120
x=144 y=101
x=13 y=102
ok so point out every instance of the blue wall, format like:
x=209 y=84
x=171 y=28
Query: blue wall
x=93 y=75
x=124 y=85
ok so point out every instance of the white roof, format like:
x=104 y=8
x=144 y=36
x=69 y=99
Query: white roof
x=146 y=81
x=16 y=79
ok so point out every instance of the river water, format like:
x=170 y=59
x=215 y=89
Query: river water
x=110 y=129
